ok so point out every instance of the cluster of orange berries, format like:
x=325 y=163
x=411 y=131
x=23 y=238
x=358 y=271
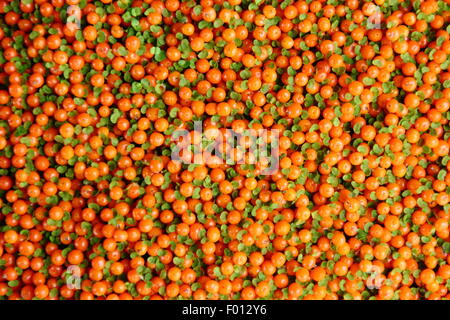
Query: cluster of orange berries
x=93 y=206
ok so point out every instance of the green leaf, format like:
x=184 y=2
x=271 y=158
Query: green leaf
x=446 y=247
x=115 y=115
x=218 y=23
x=122 y=51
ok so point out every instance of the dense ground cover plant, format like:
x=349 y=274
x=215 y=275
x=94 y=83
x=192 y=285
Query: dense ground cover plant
x=94 y=207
